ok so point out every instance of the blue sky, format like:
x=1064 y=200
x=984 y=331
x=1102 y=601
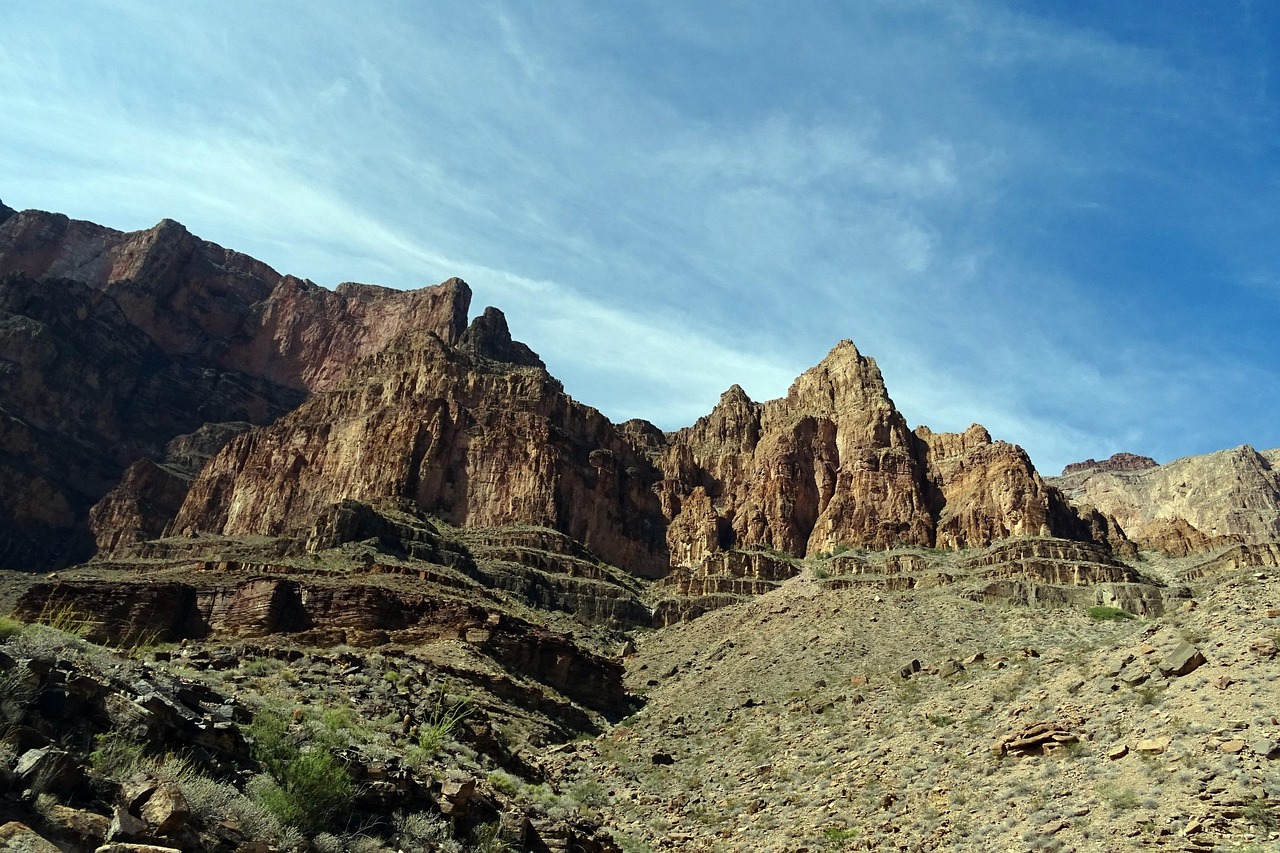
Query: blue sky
x=1058 y=220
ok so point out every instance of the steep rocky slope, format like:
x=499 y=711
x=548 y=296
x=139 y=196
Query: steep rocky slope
x=827 y=717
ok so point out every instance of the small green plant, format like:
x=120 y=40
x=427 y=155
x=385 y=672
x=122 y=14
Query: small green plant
x=308 y=789
x=1261 y=816
x=1103 y=613
x=589 y=793
x=1120 y=798
x=64 y=618
x=505 y=782
x=438 y=727
x=838 y=836
x=115 y=755
x=10 y=627
x=487 y=838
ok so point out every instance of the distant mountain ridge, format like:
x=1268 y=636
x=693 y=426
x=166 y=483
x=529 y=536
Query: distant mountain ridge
x=366 y=393
x=832 y=464
x=1186 y=505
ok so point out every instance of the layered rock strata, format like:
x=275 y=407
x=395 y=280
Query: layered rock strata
x=478 y=442
x=410 y=404
x=112 y=344
x=360 y=614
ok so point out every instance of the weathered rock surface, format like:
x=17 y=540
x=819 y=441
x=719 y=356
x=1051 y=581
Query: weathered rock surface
x=477 y=442
x=150 y=493
x=1115 y=462
x=833 y=464
x=195 y=298
x=83 y=394
x=990 y=491
x=329 y=614
x=1188 y=505
x=113 y=343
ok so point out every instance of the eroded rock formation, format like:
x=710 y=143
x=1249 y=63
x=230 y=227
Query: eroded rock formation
x=833 y=464
x=114 y=343
x=1189 y=505
x=478 y=442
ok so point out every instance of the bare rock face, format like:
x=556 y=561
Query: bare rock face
x=477 y=442
x=83 y=394
x=833 y=464
x=1190 y=504
x=113 y=343
x=1116 y=462
x=195 y=298
x=150 y=493
x=990 y=491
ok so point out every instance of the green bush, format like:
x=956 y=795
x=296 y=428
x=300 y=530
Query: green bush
x=115 y=755
x=1109 y=614
x=9 y=627
x=308 y=788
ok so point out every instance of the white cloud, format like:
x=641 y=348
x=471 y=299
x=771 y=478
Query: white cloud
x=663 y=208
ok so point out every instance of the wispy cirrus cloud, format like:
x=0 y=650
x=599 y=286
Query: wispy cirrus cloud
x=1048 y=220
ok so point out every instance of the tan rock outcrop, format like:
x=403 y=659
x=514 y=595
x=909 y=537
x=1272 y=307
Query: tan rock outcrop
x=830 y=463
x=833 y=464
x=120 y=341
x=150 y=494
x=989 y=491
x=1189 y=504
x=1115 y=462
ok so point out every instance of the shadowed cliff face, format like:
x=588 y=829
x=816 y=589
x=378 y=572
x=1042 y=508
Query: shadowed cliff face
x=84 y=394
x=112 y=344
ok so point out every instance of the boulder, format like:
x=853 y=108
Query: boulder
x=166 y=809
x=1183 y=660
x=17 y=837
x=49 y=771
x=1153 y=745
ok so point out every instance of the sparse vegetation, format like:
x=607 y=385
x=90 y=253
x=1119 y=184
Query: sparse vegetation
x=10 y=627
x=439 y=727
x=305 y=787
x=1103 y=613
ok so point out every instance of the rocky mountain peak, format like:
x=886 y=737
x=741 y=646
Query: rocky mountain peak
x=1115 y=462
x=489 y=337
x=5 y=211
x=735 y=396
x=845 y=381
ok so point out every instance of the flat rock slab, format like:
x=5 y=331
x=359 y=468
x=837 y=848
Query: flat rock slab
x=1153 y=745
x=1183 y=660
